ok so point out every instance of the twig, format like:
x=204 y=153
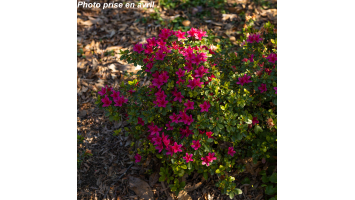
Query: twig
x=122 y=175
x=164 y=189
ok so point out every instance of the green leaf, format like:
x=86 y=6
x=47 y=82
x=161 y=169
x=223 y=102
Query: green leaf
x=189 y=165
x=217 y=171
x=205 y=175
x=258 y=129
x=209 y=140
x=239 y=191
x=220 y=126
x=183 y=166
x=231 y=195
x=265 y=179
x=246 y=181
x=270 y=190
x=273 y=178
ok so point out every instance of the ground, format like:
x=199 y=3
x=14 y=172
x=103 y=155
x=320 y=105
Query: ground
x=101 y=34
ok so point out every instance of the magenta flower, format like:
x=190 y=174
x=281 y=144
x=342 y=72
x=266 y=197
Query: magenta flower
x=158 y=82
x=137 y=157
x=149 y=67
x=180 y=73
x=166 y=141
x=189 y=105
x=255 y=120
x=174 y=118
x=201 y=34
x=161 y=102
x=169 y=127
x=185 y=118
x=201 y=71
x=188 y=158
x=140 y=121
x=177 y=147
x=254 y=38
x=165 y=33
x=169 y=150
x=152 y=42
x=157 y=140
x=208 y=159
x=148 y=49
x=244 y=79
x=103 y=91
x=160 y=95
x=160 y=55
x=196 y=144
x=194 y=83
x=205 y=106
x=154 y=129
x=275 y=88
x=115 y=94
x=211 y=156
x=159 y=147
x=251 y=58
x=185 y=132
x=205 y=161
x=138 y=48
x=180 y=35
x=178 y=96
x=231 y=151
x=192 y=33
x=107 y=102
x=188 y=66
x=180 y=81
x=209 y=134
x=262 y=88
x=120 y=100
x=272 y=57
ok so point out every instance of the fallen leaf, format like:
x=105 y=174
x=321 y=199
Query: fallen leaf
x=183 y=195
x=153 y=179
x=141 y=188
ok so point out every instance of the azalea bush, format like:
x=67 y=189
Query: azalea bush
x=206 y=106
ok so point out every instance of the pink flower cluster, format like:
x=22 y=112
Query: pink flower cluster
x=262 y=88
x=160 y=99
x=231 y=151
x=255 y=120
x=272 y=57
x=196 y=34
x=208 y=159
x=244 y=79
x=119 y=100
x=137 y=157
x=205 y=106
x=160 y=79
x=254 y=38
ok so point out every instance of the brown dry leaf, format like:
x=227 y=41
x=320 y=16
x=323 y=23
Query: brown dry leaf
x=153 y=179
x=122 y=171
x=190 y=188
x=141 y=188
x=84 y=89
x=186 y=23
x=259 y=197
x=270 y=122
x=183 y=195
x=82 y=113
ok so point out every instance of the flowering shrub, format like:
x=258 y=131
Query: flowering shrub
x=205 y=108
